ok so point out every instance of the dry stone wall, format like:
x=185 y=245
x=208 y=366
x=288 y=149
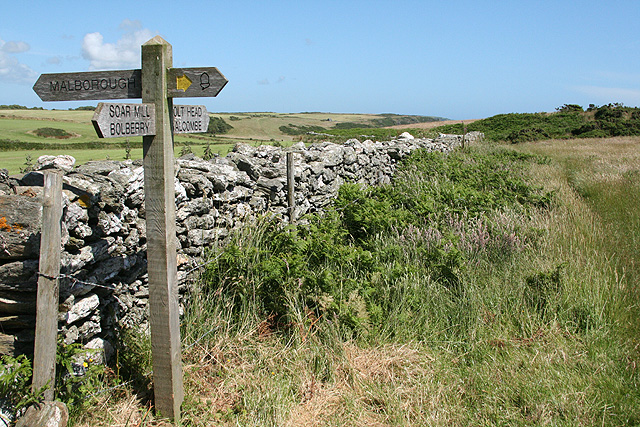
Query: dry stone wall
x=103 y=283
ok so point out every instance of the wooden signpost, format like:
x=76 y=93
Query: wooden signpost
x=194 y=82
x=116 y=120
x=127 y=84
x=126 y=120
x=156 y=119
x=119 y=84
x=190 y=118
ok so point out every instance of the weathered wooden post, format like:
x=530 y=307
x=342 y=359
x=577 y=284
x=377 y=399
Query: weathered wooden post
x=156 y=120
x=464 y=134
x=160 y=214
x=44 y=363
x=291 y=199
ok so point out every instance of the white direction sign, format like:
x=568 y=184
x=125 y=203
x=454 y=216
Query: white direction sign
x=190 y=118
x=127 y=120
x=117 y=120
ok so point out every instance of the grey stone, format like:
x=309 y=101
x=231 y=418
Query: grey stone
x=19 y=275
x=64 y=163
x=195 y=207
x=47 y=414
x=100 y=350
x=109 y=223
x=74 y=214
x=83 y=308
x=100 y=167
x=406 y=136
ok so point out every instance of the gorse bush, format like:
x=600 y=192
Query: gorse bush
x=292 y=129
x=218 y=126
x=570 y=121
x=52 y=133
x=15 y=384
x=78 y=376
x=465 y=281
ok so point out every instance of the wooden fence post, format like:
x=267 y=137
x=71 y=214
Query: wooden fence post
x=160 y=211
x=464 y=134
x=44 y=361
x=291 y=199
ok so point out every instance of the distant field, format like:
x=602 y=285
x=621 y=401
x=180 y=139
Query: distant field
x=266 y=125
x=14 y=161
x=431 y=125
x=251 y=128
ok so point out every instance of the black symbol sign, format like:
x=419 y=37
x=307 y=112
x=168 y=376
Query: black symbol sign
x=204 y=81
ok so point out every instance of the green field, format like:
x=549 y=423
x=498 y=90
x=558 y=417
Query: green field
x=252 y=128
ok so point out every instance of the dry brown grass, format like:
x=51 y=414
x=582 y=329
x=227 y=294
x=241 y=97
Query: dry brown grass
x=122 y=408
x=609 y=157
x=380 y=386
x=431 y=125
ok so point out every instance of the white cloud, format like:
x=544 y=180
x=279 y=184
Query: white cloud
x=15 y=47
x=54 y=60
x=125 y=53
x=12 y=70
x=129 y=25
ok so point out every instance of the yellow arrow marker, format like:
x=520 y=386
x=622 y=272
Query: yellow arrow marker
x=183 y=82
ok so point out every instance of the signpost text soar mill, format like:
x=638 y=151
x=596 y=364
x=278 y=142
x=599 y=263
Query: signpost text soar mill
x=125 y=120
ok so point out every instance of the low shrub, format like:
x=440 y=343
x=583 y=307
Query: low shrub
x=439 y=214
x=52 y=133
x=218 y=126
x=570 y=121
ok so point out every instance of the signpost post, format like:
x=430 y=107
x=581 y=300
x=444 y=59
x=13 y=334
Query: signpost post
x=156 y=120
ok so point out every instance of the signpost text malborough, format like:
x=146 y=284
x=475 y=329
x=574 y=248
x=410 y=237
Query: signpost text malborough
x=156 y=120
x=119 y=84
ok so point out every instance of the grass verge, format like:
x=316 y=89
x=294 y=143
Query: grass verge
x=488 y=287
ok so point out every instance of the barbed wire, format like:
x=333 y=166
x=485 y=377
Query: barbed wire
x=75 y=281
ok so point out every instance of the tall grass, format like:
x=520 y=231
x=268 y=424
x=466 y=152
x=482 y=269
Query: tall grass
x=481 y=288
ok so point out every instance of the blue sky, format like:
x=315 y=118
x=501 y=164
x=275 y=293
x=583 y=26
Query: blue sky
x=454 y=59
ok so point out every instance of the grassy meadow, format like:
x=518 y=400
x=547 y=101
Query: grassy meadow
x=497 y=285
x=493 y=286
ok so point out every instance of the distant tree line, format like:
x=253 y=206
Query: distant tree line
x=18 y=107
